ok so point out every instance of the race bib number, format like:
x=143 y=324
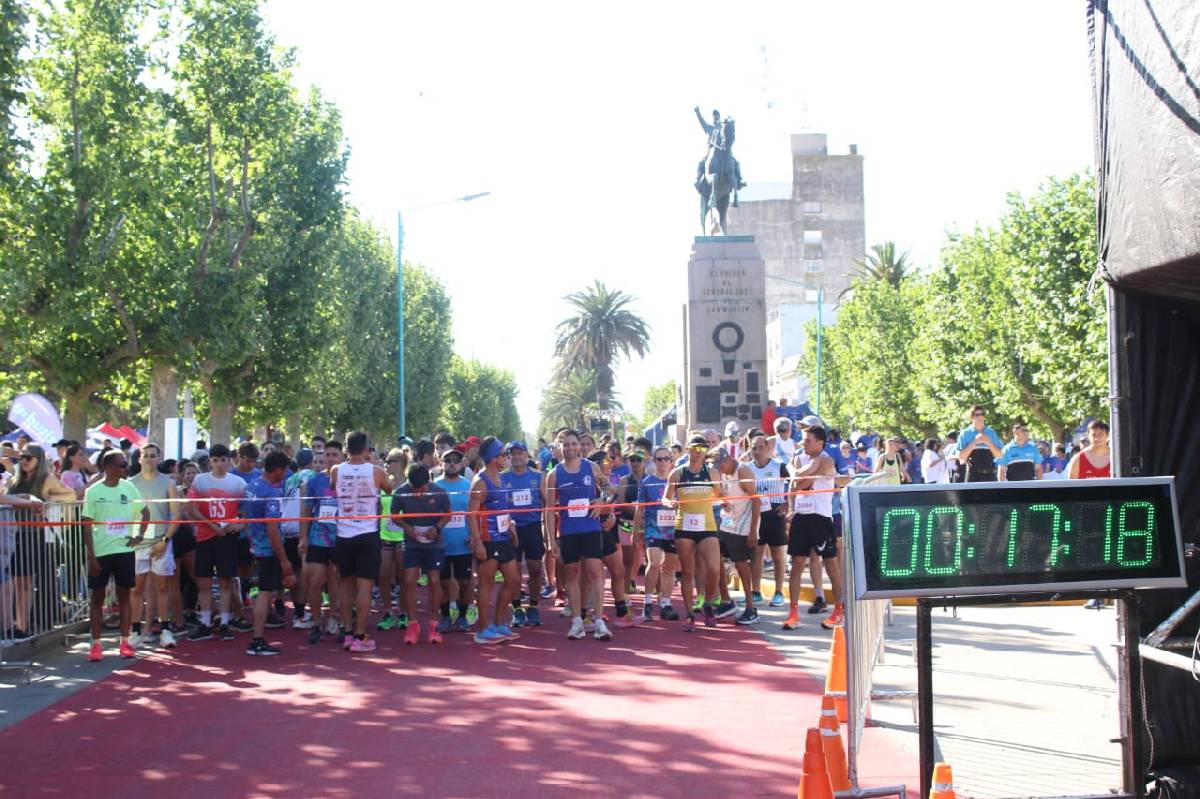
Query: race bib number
x=327 y=512
x=578 y=508
x=457 y=520
x=116 y=529
x=664 y=519
x=806 y=504
x=522 y=498
x=502 y=523
x=422 y=534
x=693 y=522
x=216 y=509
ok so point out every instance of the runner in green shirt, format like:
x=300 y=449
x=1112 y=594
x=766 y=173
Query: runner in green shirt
x=118 y=518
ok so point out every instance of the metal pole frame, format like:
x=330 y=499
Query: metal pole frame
x=400 y=319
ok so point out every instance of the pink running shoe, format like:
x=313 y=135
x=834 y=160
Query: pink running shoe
x=126 y=650
x=363 y=645
x=96 y=653
x=626 y=621
x=412 y=635
x=435 y=637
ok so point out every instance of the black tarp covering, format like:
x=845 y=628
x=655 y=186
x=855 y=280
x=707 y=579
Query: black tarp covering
x=1146 y=86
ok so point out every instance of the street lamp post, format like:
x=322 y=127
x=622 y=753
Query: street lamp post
x=820 y=324
x=400 y=295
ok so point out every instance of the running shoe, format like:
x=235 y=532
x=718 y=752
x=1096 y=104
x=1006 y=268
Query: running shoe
x=835 y=619
x=602 y=633
x=96 y=653
x=523 y=599
x=1094 y=604
x=462 y=625
x=347 y=641
x=749 y=616
x=499 y=577
x=364 y=644
x=126 y=650
x=304 y=622
x=689 y=624
x=401 y=622
x=506 y=631
x=434 y=632
x=776 y=601
x=423 y=579
x=589 y=623
x=202 y=632
x=819 y=605
x=519 y=617
x=576 y=632
x=726 y=609
x=135 y=640
x=533 y=618
x=225 y=633
x=331 y=626
x=669 y=613
x=274 y=621
x=489 y=635
x=566 y=612
x=632 y=587
x=698 y=604
x=445 y=625
x=793 y=620
x=166 y=638
x=710 y=618
x=386 y=623
x=546 y=592
x=314 y=635
x=647 y=612
x=625 y=622
x=758 y=597
x=241 y=625
x=260 y=648
x=413 y=634
x=472 y=614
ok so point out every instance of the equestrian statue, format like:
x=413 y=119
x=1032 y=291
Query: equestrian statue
x=718 y=175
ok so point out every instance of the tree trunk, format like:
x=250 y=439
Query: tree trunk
x=293 y=430
x=189 y=404
x=75 y=408
x=164 y=398
x=220 y=421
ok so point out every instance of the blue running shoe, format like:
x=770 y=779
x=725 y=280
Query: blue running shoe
x=489 y=635
x=506 y=632
x=518 y=617
x=462 y=625
x=777 y=600
x=533 y=618
x=445 y=625
x=546 y=592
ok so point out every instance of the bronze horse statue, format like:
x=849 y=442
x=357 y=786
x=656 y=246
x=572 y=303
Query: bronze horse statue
x=718 y=179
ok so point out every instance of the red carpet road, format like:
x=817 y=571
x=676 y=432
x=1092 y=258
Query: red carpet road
x=654 y=713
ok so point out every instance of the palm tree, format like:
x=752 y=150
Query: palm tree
x=567 y=399
x=602 y=331
x=882 y=264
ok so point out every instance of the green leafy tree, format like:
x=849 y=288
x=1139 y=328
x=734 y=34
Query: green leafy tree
x=601 y=331
x=656 y=401
x=565 y=401
x=882 y=264
x=480 y=400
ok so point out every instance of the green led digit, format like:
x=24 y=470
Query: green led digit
x=930 y=524
x=1055 y=527
x=897 y=513
x=1147 y=533
x=1108 y=534
x=1012 y=538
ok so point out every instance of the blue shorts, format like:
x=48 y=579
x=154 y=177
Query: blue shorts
x=427 y=560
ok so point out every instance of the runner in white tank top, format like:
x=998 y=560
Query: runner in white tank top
x=357 y=496
x=739 y=532
x=811 y=529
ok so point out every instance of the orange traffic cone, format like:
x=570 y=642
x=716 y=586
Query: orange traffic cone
x=835 y=679
x=812 y=741
x=943 y=782
x=814 y=782
x=835 y=753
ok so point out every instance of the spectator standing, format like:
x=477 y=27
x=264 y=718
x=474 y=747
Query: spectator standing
x=934 y=466
x=768 y=417
x=978 y=448
x=1055 y=466
x=1020 y=458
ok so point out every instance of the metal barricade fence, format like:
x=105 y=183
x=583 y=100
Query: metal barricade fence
x=43 y=571
x=866 y=621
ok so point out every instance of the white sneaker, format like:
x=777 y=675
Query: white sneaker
x=331 y=626
x=305 y=623
x=136 y=640
x=566 y=612
x=602 y=633
x=166 y=638
x=576 y=632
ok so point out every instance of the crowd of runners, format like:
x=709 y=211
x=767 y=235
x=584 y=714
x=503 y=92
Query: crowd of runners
x=243 y=541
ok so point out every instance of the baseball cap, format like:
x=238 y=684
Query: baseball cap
x=516 y=445
x=732 y=428
x=472 y=441
x=304 y=457
x=811 y=421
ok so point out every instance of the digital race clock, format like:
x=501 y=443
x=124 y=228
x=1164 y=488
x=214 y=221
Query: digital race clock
x=1035 y=536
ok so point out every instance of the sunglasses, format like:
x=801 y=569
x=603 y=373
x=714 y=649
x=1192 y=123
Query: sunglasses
x=453 y=459
x=698 y=448
x=667 y=459
x=395 y=460
x=29 y=457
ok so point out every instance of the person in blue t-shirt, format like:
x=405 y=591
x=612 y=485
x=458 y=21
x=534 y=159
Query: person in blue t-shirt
x=456 y=539
x=524 y=487
x=978 y=448
x=1055 y=466
x=318 y=538
x=1020 y=458
x=264 y=501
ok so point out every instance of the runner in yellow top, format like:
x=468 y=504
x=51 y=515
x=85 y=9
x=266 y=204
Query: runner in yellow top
x=690 y=489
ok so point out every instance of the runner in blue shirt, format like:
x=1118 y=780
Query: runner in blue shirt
x=658 y=523
x=524 y=487
x=456 y=537
x=1020 y=459
x=264 y=501
x=318 y=537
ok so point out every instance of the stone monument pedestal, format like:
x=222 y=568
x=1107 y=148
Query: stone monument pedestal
x=725 y=338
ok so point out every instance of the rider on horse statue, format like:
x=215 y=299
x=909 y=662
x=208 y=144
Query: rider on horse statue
x=713 y=131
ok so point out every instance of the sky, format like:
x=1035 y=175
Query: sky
x=578 y=119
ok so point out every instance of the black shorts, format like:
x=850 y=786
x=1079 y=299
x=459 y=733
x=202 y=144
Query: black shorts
x=244 y=556
x=120 y=567
x=270 y=573
x=218 y=554
x=665 y=544
x=735 y=547
x=530 y=544
x=837 y=525
x=695 y=535
x=772 y=528
x=291 y=548
x=581 y=546
x=316 y=554
x=812 y=532
x=611 y=542
x=358 y=556
x=428 y=561
x=500 y=551
x=184 y=540
x=457 y=567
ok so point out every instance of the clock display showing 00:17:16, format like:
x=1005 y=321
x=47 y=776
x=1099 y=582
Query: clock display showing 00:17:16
x=991 y=538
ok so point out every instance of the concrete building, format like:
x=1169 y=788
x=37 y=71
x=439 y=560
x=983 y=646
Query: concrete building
x=810 y=234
